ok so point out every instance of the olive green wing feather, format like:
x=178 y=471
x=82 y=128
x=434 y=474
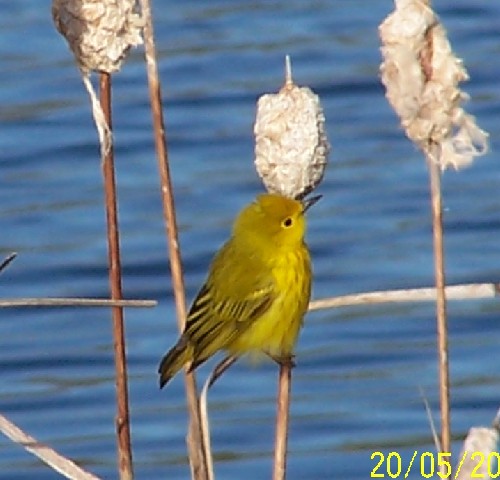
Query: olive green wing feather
x=238 y=291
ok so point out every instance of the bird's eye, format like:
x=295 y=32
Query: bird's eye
x=287 y=222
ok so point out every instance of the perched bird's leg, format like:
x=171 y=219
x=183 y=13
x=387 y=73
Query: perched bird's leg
x=220 y=368
x=283 y=360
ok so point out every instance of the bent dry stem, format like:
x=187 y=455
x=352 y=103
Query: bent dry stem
x=50 y=457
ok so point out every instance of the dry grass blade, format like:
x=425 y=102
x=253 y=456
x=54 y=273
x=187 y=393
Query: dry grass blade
x=56 y=461
x=428 y=410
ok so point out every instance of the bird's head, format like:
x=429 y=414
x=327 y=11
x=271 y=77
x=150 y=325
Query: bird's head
x=273 y=220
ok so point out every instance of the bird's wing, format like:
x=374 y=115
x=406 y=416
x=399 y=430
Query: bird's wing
x=235 y=294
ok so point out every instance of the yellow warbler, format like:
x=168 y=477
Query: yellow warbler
x=257 y=290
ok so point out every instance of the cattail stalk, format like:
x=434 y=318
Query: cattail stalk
x=441 y=316
x=282 y=421
x=197 y=457
x=291 y=152
x=100 y=35
x=123 y=417
x=421 y=75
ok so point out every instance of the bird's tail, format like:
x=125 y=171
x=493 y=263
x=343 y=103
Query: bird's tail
x=174 y=360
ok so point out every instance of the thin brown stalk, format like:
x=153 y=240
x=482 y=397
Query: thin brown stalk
x=282 y=420
x=442 y=329
x=50 y=457
x=73 y=302
x=197 y=457
x=122 y=418
x=431 y=151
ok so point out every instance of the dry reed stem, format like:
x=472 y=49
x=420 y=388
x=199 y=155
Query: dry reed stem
x=442 y=327
x=282 y=421
x=122 y=419
x=73 y=302
x=56 y=461
x=469 y=291
x=197 y=458
x=422 y=76
x=432 y=152
x=453 y=292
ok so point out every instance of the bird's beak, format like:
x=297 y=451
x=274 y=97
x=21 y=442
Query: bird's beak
x=309 y=202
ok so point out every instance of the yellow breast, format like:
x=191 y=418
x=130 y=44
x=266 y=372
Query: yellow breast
x=277 y=330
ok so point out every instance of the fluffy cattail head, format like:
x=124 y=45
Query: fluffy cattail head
x=291 y=147
x=421 y=75
x=99 y=32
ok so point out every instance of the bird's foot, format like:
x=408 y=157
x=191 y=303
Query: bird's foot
x=283 y=360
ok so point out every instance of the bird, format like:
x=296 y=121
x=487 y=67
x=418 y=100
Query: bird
x=257 y=290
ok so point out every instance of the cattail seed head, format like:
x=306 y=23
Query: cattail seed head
x=291 y=147
x=99 y=32
x=421 y=75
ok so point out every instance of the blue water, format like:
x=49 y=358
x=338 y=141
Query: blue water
x=356 y=387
